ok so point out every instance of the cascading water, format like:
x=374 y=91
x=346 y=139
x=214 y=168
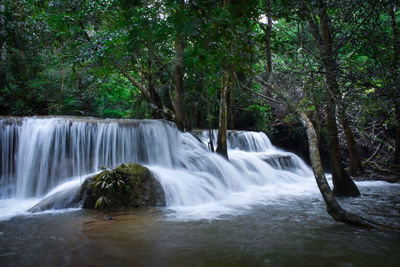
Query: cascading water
x=241 y=140
x=39 y=154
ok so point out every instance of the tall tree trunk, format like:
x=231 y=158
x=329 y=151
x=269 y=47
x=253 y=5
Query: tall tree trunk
x=397 y=142
x=179 y=106
x=210 y=131
x=62 y=76
x=343 y=185
x=355 y=165
x=222 y=147
x=178 y=78
x=209 y=122
x=267 y=39
x=3 y=46
x=79 y=84
x=332 y=206
x=231 y=100
x=396 y=79
x=231 y=109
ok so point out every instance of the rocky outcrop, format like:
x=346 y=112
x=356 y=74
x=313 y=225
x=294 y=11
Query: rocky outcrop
x=127 y=186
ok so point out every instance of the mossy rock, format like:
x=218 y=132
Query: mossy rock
x=127 y=186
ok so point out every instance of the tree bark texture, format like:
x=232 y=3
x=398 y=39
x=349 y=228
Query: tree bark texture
x=231 y=99
x=222 y=147
x=179 y=106
x=343 y=185
x=397 y=142
x=210 y=131
x=396 y=79
x=223 y=111
x=231 y=109
x=355 y=167
x=267 y=39
x=3 y=46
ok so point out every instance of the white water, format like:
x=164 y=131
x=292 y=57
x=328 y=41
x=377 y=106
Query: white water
x=40 y=155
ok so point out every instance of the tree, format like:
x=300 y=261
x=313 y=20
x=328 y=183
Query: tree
x=332 y=206
x=343 y=185
x=179 y=74
x=223 y=109
x=3 y=45
x=395 y=76
x=355 y=165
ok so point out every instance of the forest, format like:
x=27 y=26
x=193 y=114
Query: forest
x=251 y=62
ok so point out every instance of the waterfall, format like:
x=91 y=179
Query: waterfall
x=39 y=154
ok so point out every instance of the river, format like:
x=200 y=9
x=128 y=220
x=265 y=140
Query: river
x=262 y=208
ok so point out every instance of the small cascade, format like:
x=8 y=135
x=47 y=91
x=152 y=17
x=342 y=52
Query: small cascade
x=206 y=176
x=240 y=140
x=39 y=155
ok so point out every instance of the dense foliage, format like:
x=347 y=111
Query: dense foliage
x=120 y=59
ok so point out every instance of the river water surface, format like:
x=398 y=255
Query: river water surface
x=285 y=230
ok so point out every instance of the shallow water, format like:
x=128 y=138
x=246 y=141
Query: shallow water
x=285 y=230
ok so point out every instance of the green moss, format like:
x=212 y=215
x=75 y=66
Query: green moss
x=127 y=186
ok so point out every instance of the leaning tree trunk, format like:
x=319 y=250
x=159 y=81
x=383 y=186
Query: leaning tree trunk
x=343 y=185
x=355 y=165
x=332 y=206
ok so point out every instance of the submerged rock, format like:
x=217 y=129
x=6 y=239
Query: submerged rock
x=66 y=199
x=127 y=186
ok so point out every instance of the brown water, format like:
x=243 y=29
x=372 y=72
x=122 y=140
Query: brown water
x=293 y=231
